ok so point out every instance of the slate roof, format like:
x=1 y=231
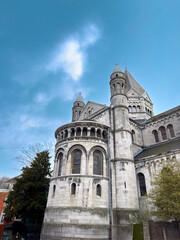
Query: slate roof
x=159 y=149
x=164 y=114
x=132 y=83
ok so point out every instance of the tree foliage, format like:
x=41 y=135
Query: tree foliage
x=29 y=195
x=165 y=194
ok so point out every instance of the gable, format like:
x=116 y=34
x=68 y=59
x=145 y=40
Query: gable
x=90 y=109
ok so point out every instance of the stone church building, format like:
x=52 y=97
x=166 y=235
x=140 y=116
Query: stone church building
x=105 y=160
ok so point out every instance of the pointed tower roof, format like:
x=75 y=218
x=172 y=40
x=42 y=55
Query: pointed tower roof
x=117 y=68
x=79 y=98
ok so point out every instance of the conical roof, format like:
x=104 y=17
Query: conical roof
x=117 y=69
x=79 y=98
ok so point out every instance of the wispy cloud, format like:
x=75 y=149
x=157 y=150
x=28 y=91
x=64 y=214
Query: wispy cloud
x=61 y=68
x=70 y=56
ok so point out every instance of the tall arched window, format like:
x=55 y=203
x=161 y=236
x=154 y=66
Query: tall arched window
x=171 y=130
x=156 y=137
x=130 y=109
x=73 y=189
x=97 y=163
x=98 y=190
x=133 y=135
x=142 y=184
x=163 y=132
x=60 y=161
x=76 y=161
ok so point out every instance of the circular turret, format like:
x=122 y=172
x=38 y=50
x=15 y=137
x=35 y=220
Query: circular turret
x=78 y=107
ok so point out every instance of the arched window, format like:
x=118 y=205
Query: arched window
x=98 y=190
x=138 y=108
x=78 y=131
x=97 y=163
x=66 y=133
x=142 y=184
x=76 y=161
x=134 y=109
x=104 y=134
x=130 y=109
x=54 y=189
x=163 y=132
x=99 y=133
x=171 y=130
x=73 y=189
x=61 y=135
x=72 y=132
x=133 y=135
x=156 y=137
x=60 y=161
x=84 y=132
x=92 y=132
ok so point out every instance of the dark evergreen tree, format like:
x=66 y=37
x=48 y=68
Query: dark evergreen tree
x=29 y=195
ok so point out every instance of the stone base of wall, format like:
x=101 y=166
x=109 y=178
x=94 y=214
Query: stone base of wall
x=122 y=228
x=75 y=232
x=75 y=223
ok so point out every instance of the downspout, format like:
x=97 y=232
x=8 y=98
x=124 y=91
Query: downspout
x=109 y=187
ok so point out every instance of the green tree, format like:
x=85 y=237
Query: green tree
x=29 y=195
x=165 y=193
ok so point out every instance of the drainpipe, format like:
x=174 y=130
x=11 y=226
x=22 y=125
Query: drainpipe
x=109 y=187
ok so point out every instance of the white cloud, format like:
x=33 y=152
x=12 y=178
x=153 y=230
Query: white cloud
x=91 y=35
x=70 y=56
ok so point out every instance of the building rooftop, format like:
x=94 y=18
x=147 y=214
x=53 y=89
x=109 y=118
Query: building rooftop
x=159 y=149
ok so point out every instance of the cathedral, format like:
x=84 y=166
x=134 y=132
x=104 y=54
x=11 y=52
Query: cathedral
x=105 y=160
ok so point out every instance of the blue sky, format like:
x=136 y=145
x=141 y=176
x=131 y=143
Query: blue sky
x=52 y=49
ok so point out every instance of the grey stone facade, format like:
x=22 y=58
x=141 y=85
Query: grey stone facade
x=105 y=160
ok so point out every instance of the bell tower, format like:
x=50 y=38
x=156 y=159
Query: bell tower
x=78 y=107
x=125 y=190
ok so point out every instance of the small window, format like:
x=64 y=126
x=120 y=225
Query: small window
x=130 y=109
x=84 y=131
x=73 y=189
x=72 y=132
x=92 y=132
x=134 y=108
x=133 y=136
x=78 y=132
x=99 y=133
x=142 y=184
x=156 y=137
x=138 y=108
x=98 y=190
x=105 y=134
x=54 y=189
x=66 y=133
